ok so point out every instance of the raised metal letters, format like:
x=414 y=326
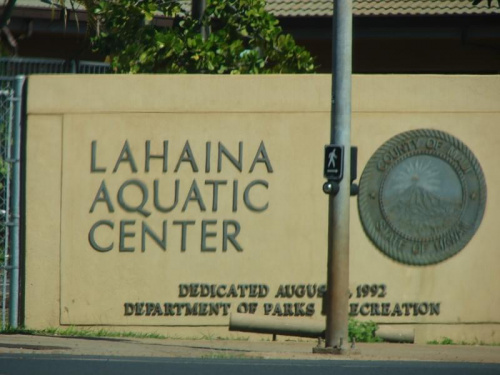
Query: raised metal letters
x=422 y=197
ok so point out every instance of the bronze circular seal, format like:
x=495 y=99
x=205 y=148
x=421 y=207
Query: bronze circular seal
x=422 y=197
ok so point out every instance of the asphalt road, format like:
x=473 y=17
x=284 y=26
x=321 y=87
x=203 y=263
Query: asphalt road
x=28 y=364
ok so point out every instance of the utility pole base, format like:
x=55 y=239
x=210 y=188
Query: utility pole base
x=329 y=350
x=342 y=350
x=336 y=350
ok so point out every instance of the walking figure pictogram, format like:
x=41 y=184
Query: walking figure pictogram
x=332 y=159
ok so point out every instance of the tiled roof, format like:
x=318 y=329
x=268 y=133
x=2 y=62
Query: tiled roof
x=311 y=8
x=301 y=8
x=47 y=4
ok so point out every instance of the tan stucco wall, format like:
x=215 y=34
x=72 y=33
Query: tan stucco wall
x=70 y=283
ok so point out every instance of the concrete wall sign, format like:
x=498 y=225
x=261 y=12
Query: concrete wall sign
x=166 y=211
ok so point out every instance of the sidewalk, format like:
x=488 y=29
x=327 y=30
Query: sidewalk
x=131 y=347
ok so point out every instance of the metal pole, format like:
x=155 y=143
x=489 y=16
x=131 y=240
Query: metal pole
x=338 y=206
x=197 y=11
x=300 y=327
x=16 y=187
x=7 y=143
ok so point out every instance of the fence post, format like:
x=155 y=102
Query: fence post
x=16 y=190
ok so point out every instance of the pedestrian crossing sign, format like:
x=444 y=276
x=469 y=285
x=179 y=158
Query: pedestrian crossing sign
x=334 y=162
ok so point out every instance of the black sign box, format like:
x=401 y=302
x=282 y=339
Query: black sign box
x=334 y=162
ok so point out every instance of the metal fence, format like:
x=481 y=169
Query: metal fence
x=11 y=92
x=13 y=66
x=12 y=72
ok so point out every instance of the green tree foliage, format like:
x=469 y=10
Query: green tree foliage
x=243 y=38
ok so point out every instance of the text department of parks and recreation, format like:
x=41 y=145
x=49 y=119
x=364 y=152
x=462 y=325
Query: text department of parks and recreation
x=299 y=300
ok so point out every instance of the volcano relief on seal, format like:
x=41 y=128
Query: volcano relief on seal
x=422 y=197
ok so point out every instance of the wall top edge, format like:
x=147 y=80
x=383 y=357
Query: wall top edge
x=51 y=94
